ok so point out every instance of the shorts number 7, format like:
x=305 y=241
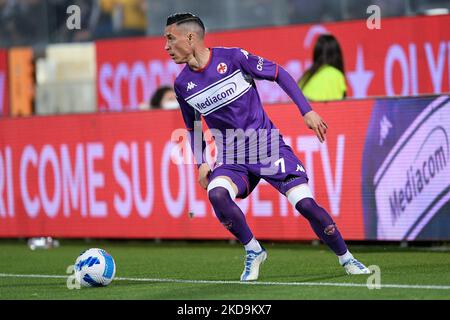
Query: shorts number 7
x=281 y=160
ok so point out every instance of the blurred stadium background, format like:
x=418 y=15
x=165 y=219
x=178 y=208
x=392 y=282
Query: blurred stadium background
x=83 y=155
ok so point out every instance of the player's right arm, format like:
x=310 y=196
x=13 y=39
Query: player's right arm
x=189 y=120
x=312 y=119
x=261 y=68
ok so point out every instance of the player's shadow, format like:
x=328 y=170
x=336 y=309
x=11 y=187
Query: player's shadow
x=303 y=279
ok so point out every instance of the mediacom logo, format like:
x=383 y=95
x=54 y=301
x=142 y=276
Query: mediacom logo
x=419 y=176
x=220 y=93
x=413 y=182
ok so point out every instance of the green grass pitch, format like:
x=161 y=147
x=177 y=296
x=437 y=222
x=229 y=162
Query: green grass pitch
x=177 y=270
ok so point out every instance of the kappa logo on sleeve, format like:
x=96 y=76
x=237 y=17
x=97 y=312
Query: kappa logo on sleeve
x=245 y=53
x=190 y=86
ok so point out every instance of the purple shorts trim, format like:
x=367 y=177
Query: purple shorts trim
x=237 y=173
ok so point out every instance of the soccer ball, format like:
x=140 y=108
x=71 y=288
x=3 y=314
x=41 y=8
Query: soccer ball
x=95 y=268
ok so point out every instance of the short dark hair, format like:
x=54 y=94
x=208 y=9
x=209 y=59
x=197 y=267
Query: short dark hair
x=180 y=18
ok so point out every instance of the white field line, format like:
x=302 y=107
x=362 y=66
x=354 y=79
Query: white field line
x=260 y=283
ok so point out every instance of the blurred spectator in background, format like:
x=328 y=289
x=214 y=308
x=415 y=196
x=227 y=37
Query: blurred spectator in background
x=57 y=20
x=325 y=79
x=164 y=98
x=307 y=11
x=21 y=22
x=121 y=18
x=357 y=9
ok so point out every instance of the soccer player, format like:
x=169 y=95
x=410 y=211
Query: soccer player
x=218 y=83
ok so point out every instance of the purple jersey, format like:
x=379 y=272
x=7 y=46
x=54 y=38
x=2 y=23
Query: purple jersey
x=225 y=94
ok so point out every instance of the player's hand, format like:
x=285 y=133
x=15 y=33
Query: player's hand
x=203 y=173
x=316 y=123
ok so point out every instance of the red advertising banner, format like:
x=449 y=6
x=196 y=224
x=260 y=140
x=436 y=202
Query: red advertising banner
x=4 y=100
x=112 y=175
x=407 y=56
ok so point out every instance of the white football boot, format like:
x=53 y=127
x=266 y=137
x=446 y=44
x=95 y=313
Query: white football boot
x=353 y=266
x=252 y=262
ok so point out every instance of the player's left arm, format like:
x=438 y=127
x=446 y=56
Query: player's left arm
x=192 y=120
x=260 y=68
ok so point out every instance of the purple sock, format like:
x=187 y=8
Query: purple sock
x=322 y=224
x=229 y=214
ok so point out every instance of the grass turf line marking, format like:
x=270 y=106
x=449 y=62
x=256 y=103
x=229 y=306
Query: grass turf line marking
x=312 y=284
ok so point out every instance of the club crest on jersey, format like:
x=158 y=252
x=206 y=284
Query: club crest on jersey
x=222 y=68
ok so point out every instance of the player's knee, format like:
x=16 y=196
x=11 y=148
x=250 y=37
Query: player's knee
x=218 y=195
x=309 y=208
x=225 y=188
x=298 y=193
x=306 y=206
